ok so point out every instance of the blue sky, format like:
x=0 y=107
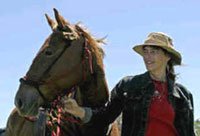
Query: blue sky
x=126 y=23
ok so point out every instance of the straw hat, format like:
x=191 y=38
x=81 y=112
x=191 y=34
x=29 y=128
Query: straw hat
x=163 y=41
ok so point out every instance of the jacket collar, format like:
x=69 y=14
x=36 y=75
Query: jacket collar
x=172 y=91
x=171 y=88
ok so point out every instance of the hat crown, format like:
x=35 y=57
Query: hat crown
x=158 y=38
x=163 y=41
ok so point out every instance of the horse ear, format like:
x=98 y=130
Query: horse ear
x=51 y=22
x=62 y=24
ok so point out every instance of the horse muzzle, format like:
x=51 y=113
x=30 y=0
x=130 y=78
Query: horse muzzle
x=27 y=101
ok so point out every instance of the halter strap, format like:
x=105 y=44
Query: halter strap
x=87 y=54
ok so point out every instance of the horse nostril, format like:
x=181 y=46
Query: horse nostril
x=19 y=103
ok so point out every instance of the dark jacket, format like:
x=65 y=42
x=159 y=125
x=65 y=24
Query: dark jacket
x=132 y=96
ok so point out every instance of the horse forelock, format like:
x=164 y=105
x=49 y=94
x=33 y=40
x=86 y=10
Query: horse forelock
x=46 y=43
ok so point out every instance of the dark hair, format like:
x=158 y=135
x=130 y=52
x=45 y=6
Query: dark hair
x=170 y=70
x=170 y=66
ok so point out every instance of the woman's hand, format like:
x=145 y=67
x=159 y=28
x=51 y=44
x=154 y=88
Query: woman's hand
x=71 y=106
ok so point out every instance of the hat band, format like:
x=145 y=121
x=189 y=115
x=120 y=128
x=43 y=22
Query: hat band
x=158 y=42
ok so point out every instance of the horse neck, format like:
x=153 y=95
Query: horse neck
x=94 y=91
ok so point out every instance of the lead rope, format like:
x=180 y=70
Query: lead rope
x=58 y=121
x=57 y=133
x=58 y=106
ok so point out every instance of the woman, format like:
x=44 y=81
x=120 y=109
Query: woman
x=152 y=104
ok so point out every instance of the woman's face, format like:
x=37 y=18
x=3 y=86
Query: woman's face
x=155 y=59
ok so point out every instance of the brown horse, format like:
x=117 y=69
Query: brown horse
x=68 y=63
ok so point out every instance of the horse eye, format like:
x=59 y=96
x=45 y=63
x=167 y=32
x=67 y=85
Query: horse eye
x=48 y=53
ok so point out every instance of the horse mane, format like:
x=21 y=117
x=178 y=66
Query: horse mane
x=94 y=44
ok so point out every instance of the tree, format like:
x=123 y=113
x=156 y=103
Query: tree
x=197 y=126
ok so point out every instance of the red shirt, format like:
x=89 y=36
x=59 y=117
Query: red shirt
x=161 y=113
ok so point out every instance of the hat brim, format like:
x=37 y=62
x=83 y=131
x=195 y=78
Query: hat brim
x=175 y=55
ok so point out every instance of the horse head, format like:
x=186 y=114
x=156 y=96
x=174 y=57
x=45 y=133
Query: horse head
x=68 y=57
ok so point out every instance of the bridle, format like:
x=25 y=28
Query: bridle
x=87 y=55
